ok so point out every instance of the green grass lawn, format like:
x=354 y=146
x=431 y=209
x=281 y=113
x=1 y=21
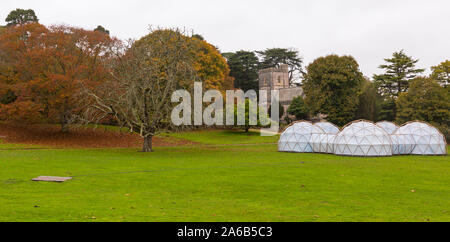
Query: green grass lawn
x=221 y=183
x=225 y=137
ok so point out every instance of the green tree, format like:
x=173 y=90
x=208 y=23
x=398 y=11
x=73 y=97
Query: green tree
x=369 y=102
x=399 y=71
x=388 y=109
x=426 y=100
x=298 y=108
x=277 y=56
x=332 y=86
x=244 y=68
x=101 y=29
x=249 y=109
x=441 y=73
x=21 y=16
x=198 y=37
x=227 y=55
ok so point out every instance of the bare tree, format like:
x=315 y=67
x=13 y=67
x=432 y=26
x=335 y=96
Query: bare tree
x=145 y=75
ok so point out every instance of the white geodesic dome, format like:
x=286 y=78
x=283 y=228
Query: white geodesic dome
x=389 y=127
x=402 y=144
x=297 y=137
x=323 y=143
x=328 y=127
x=363 y=138
x=427 y=139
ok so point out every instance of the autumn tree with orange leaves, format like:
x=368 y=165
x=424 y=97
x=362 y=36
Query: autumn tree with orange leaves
x=212 y=68
x=44 y=69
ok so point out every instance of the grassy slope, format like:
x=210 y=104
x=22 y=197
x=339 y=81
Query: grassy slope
x=6 y=146
x=222 y=183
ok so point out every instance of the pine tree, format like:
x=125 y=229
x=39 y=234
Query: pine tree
x=244 y=69
x=399 y=71
x=441 y=73
x=102 y=29
x=276 y=56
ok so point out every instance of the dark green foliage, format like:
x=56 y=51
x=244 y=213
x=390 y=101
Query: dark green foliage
x=332 y=86
x=399 y=71
x=197 y=36
x=101 y=29
x=227 y=55
x=8 y=97
x=298 y=108
x=426 y=100
x=277 y=56
x=21 y=16
x=388 y=109
x=244 y=68
x=441 y=73
x=369 y=102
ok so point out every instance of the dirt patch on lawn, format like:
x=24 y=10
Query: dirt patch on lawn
x=79 y=137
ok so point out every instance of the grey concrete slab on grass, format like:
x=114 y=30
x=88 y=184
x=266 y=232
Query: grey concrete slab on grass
x=51 y=179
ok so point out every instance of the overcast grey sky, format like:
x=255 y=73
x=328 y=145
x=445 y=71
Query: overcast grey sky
x=369 y=30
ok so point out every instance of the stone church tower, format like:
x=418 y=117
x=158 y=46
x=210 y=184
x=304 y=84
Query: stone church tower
x=274 y=78
x=278 y=79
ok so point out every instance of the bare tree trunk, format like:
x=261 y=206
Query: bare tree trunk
x=64 y=127
x=64 y=124
x=147 y=144
x=64 y=120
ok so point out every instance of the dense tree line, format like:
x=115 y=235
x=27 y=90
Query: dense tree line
x=62 y=74
x=335 y=88
x=244 y=65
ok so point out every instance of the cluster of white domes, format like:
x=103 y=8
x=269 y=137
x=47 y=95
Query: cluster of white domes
x=363 y=138
x=389 y=127
x=324 y=142
x=297 y=137
x=419 y=138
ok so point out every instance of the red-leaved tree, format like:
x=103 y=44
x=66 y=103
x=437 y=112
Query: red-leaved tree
x=45 y=68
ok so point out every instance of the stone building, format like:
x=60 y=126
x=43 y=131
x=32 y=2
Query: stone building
x=278 y=79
